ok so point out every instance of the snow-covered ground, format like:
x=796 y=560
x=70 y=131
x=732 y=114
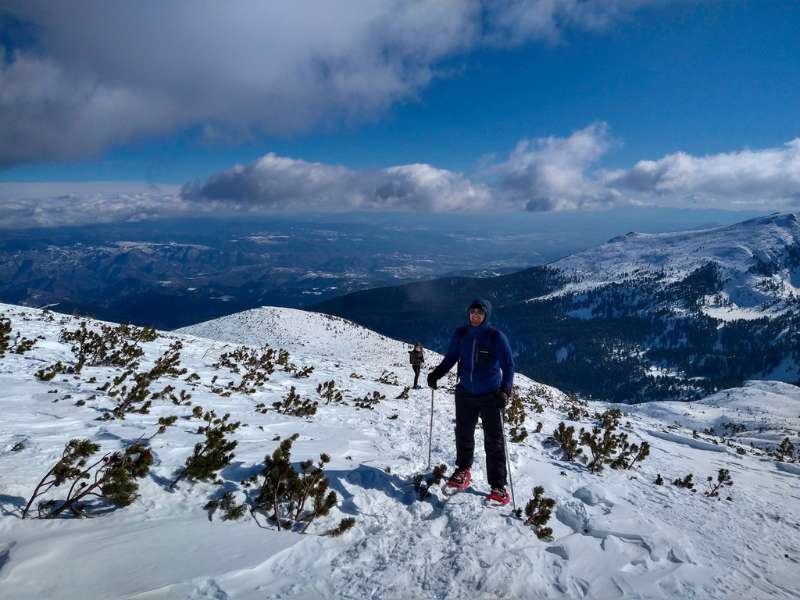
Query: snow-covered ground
x=616 y=535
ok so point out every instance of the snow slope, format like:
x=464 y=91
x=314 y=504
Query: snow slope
x=616 y=535
x=734 y=248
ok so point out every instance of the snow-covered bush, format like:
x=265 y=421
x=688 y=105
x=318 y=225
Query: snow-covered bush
x=369 y=401
x=515 y=417
x=786 y=450
x=5 y=335
x=404 y=394
x=20 y=345
x=538 y=511
x=723 y=480
x=48 y=373
x=388 y=378
x=603 y=444
x=564 y=437
x=293 y=404
x=111 y=478
x=213 y=454
x=344 y=525
x=257 y=367
x=686 y=483
x=284 y=492
x=232 y=511
x=328 y=392
x=111 y=346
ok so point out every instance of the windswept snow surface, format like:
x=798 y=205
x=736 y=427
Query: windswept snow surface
x=616 y=535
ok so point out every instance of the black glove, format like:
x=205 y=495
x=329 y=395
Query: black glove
x=500 y=399
x=432 y=381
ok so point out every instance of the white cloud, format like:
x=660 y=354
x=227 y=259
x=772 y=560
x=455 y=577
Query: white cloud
x=279 y=183
x=767 y=178
x=553 y=173
x=105 y=72
x=61 y=204
x=562 y=174
x=548 y=173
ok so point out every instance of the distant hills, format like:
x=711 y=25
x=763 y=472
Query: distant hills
x=641 y=317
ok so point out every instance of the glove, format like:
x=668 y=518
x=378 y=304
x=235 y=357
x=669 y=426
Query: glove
x=432 y=381
x=501 y=399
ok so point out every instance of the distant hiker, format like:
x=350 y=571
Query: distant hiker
x=416 y=358
x=485 y=380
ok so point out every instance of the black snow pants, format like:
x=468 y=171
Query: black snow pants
x=416 y=374
x=468 y=408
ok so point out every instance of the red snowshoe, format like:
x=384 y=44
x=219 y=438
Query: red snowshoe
x=458 y=481
x=498 y=497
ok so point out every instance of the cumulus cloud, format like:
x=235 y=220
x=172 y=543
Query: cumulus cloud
x=279 y=183
x=767 y=178
x=562 y=174
x=552 y=173
x=104 y=72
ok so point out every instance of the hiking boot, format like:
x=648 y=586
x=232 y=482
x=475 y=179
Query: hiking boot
x=460 y=479
x=498 y=497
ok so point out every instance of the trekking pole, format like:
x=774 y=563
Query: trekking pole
x=430 y=432
x=508 y=462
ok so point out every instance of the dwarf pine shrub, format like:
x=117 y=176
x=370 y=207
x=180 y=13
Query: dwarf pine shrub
x=389 y=378
x=538 y=511
x=5 y=335
x=328 y=392
x=659 y=480
x=686 y=483
x=564 y=437
x=255 y=366
x=48 y=373
x=723 y=480
x=231 y=510
x=344 y=525
x=214 y=453
x=610 y=418
x=111 y=478
x=293 y=404
x=111 y=346
x=786 y=450
x=293 y=499
x=532 y=398
x=369 y=401
x=404 y=394
x=138 y=398
x=602 y=444
x=515 y=417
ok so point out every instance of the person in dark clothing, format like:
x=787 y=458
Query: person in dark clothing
x=486 y=378
x=416 y=358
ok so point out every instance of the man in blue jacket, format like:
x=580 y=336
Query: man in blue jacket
x=486 y=377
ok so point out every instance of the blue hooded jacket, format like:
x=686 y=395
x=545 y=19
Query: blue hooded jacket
x=485 y=362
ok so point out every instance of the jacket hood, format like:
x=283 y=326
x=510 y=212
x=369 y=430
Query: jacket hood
x=487 y=307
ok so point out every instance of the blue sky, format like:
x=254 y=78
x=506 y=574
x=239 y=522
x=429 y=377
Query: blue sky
x=705 y=78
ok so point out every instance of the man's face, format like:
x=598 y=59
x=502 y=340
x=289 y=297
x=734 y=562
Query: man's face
x=476 y=316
